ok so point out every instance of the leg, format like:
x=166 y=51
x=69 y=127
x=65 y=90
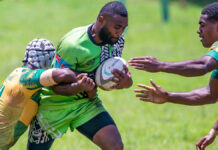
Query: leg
x=103 y=132
x=38 y=139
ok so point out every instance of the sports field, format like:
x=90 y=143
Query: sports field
x=143 y=126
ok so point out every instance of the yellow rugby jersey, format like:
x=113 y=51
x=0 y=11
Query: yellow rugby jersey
x=213 y=52
x=18 y=102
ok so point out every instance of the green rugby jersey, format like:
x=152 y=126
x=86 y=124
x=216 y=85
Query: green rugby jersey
x=213 y=52
x=77 y=50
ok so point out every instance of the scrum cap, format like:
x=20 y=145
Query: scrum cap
x=40 y=53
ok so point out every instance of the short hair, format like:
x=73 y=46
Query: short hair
x=211 y=11
x=114 y=7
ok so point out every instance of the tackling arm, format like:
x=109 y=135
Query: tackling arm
x=55 y=76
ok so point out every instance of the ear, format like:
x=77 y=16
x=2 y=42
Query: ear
x=101 y=20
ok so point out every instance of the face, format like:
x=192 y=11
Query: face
x=208 y=31
x=112 y=28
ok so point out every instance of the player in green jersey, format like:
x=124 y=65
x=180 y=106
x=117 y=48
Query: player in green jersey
x=19 y=92
x=83 y=49
x=208 y=32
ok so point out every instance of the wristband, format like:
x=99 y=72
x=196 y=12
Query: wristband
x=213 y=131
x=46 y=78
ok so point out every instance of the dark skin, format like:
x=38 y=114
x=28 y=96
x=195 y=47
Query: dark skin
x=82 y=83
x=69 y=82
x=208 y=32
x=208 y=139
x=115 y=25
x=109 y=137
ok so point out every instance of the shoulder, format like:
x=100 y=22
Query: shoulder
x=213 y=51
x=214 y=46
x=72 y=40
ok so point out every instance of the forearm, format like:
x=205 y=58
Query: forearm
x=56 y=76
x=67 y=89
x=64 y=75
x=196 y=97
x=195 y=67
x=215 y=127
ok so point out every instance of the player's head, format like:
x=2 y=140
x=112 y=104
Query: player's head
x=208 y=29
x=39 y=54
x=112 y=19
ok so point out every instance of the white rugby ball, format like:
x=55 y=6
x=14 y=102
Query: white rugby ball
x=103 y=73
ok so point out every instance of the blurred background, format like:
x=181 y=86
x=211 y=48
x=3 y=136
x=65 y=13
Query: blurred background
x=143 y=126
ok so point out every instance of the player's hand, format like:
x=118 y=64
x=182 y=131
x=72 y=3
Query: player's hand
x=122 y=80
x=147 y=63
x=85 y=83
x=92 y=93
x=205 y=141
x=153 y=94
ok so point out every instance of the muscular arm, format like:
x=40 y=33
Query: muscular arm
x=56 y=76
x=67 y=89
x=194 y=67
x=83 y=83
x=205 y=95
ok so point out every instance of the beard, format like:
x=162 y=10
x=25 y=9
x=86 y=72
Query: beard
x=106 y=36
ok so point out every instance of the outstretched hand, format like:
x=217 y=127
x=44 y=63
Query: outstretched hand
x=205 y=141
x=122 y=80
x=147 y=63
x=153 y=94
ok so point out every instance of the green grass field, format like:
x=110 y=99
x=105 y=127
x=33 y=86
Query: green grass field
x=143 y=126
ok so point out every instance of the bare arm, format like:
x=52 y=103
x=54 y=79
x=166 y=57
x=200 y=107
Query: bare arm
x=156 y=94
x=56 y=76
x=194 y=67
x=82 y=84
x=209 y=138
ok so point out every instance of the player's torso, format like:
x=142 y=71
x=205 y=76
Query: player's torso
x=88 y=54
x=13 y=96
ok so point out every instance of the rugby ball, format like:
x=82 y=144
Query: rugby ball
x=103 y=73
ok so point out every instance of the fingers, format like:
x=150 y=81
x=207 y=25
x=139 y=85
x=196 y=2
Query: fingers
x=80 y=76
x=88 y=83
x=145 y=99
x=199 y=144
x=118 y=74
x=125 y=68
x=145 y=86
x=154 y=84
x=204 y=144
x=141 y=58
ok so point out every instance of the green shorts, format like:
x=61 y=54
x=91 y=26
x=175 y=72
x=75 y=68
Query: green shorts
x=56 y=120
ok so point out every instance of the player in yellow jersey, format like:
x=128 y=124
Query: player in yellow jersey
x=20 y=90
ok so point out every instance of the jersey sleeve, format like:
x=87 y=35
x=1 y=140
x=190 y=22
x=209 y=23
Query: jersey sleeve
x=213 y=51
x=31 y=79
x=59 y=62
x=67 y=55
x=215 y=74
